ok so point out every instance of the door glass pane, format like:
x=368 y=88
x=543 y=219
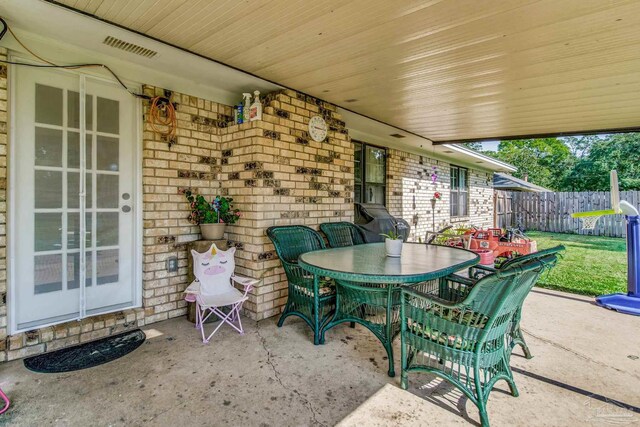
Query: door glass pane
x=108 y=115
x=107 y=228
x=108 y=153
x=48 y=105
x=47 y=232
x=48 y=189
x=47 y=273
x=73 y=110
x=107 y=266
x=375 y=165
x=73 y=150
x=73 y=270
x=48 y=147
x=73 y=190
x=73 y=230
x=107 y=190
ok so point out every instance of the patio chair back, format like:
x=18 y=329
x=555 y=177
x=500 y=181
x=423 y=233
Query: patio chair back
x=311 y=301
x=214 y=269
x=497 y=296
x=466 y=342
x=340 y=234
x=291 y=241
x=522 y=259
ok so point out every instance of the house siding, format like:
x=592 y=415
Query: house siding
x=276 y=175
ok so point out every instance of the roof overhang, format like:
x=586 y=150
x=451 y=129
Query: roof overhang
x=69 y=37
x=444 y=70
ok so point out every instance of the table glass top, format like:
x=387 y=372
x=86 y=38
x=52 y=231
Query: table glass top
x=417 y=261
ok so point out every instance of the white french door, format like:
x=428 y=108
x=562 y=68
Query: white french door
x=73 y=192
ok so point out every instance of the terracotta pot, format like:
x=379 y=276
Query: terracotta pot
x=212 y=231
x=486 y=256
x=393 y=248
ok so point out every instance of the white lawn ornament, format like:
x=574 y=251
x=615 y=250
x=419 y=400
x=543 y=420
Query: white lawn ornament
x=213 y=288
x=628 y=303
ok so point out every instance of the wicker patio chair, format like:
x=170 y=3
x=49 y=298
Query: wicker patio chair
x=313 y=301
x=465 y=342
x=340 y=234
x=464 y=285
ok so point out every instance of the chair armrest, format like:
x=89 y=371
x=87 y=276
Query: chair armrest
x=442 y=303
x=245 y=281
x=460 y=279
x=485 y=268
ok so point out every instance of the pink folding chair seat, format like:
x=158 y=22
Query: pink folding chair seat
x=214 y=289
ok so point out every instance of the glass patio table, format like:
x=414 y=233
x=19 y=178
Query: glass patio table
x=368 y=282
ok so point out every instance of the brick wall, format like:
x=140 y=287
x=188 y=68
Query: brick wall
x=410 y=189
x=193 y=162
x=277 y=175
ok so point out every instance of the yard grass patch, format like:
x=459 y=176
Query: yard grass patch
x=591 y=265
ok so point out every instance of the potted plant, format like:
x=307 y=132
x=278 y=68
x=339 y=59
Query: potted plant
x=212 y=217
x=393 y=243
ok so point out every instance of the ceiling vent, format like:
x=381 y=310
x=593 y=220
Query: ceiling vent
x=397 y=135
x=129 y=47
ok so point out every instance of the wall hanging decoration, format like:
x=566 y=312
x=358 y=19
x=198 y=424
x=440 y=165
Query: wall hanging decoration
x=434 y=175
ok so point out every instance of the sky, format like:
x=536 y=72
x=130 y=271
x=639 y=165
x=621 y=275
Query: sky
x=490 y=145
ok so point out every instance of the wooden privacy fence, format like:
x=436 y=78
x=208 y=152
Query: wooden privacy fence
x=552 y=211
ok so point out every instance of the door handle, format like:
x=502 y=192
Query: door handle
x=126 y=209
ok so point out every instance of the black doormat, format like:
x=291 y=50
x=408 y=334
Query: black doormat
x=86 y=355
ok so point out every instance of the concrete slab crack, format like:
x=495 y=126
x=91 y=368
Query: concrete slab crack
x=276 y=373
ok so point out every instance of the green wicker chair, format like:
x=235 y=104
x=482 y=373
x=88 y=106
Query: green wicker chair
x=476 y=272
x=465 y=342
x=312 y=300
x=340 y=234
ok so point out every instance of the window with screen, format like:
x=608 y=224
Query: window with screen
x=370 y=173
x=459 y=191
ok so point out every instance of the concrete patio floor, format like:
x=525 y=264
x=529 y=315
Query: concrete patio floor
x=586 y=371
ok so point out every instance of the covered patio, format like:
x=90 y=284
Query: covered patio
x=111 y=112
x=584 y=372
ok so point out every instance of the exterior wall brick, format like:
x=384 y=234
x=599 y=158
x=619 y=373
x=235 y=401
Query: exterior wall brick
x=410 y=189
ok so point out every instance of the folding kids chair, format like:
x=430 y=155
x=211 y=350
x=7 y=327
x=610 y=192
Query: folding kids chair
x=213 y=288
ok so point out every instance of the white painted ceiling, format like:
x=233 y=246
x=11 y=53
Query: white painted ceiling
x=443 y=69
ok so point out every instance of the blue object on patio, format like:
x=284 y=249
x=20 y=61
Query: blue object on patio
x=629 y=303
x=86 y=355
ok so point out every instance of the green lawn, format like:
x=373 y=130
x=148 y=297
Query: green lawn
x=590 y=265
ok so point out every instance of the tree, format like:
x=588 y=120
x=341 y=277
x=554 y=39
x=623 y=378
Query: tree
x=474 y=145
x=618 y=151
x=543 y=161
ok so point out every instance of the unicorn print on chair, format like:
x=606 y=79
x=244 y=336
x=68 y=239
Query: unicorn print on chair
x=213 y=289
